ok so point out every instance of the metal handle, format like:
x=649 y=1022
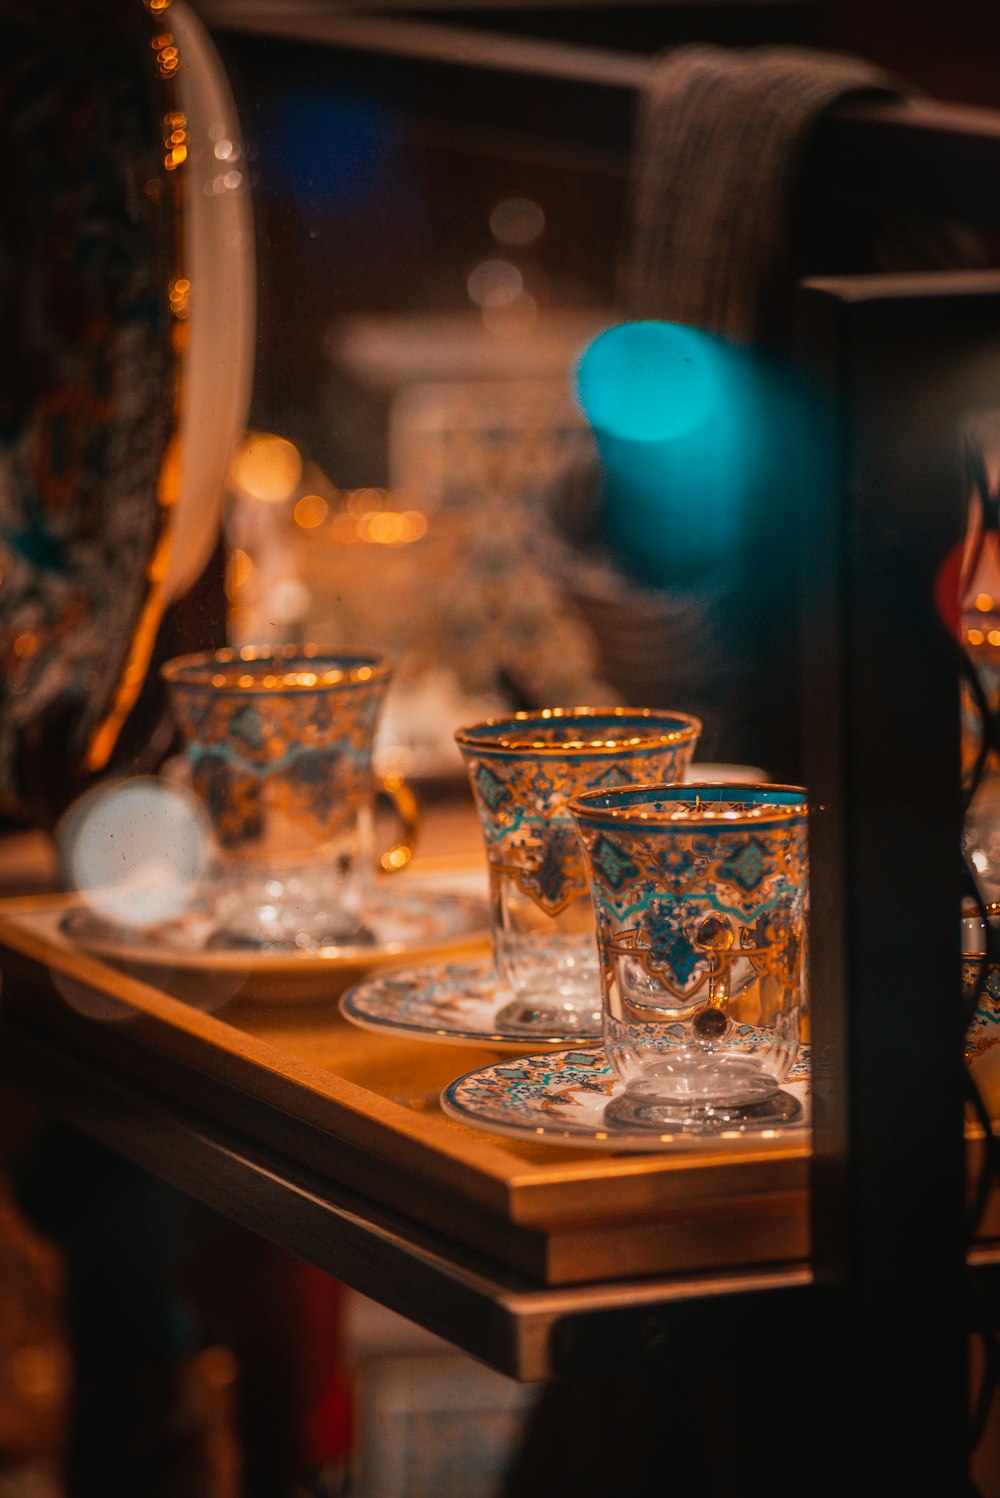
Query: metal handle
x=393 y=786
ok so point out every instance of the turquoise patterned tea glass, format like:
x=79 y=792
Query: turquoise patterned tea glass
x=700 y=893
x=524 y=770
x=279 y=745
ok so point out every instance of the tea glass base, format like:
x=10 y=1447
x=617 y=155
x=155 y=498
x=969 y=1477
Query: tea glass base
x=287 y=913
x=556 y=980
x=530 y=1015
x=717 y=1094
x=672 y=1117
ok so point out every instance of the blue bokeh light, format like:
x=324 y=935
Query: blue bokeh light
x=675 y=414
x=650 y=381
x=330 y=149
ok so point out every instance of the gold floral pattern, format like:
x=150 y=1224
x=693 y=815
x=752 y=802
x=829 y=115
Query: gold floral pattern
x=525 y=770
x=667 y=889
x=286 y=735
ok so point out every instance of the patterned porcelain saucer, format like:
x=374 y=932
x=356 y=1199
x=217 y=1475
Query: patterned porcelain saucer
x=415 y=923
x=559 y=1098
x=455 y=1002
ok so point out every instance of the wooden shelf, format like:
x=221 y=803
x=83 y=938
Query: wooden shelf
x=329 y=1140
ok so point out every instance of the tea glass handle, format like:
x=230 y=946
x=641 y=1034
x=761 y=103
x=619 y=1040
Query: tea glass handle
x=394 y=788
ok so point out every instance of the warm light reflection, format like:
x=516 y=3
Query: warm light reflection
x=364 y=501
x=364 y=516
x=232 y=669
x=179 y=294
x=167 y=56
x=495 y=283
x=175 y=135
x=391 y=527
x=984 y=603
x=268 y=468
x=136 y=850
x=517 y=221
x=239 y=570
x=311 y=510
x=222 y=182
x=288 y=600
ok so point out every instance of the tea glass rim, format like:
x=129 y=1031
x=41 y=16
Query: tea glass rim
x=634 y=806
x=219 y=671
x=500 y=734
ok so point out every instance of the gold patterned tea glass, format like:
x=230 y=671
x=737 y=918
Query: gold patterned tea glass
x=524 y=770
x=700 y=894
x=279 y=746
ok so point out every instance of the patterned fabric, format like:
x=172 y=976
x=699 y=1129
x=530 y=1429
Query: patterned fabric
x=87 y=384
x=719 y=152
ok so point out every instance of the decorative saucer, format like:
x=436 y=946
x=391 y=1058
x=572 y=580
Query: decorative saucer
x=455 y=1002
x=559 y=1097
x=415 y=922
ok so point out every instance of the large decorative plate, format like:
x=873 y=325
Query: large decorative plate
x=98 y=299
x=452 y=1002
x=559 y=1097
x=218 y=360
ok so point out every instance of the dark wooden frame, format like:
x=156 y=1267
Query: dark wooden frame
x=891 y=364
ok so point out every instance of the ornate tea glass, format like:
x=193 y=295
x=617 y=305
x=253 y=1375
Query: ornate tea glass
x=700 y=893
x=524 y=770
x=279 y=745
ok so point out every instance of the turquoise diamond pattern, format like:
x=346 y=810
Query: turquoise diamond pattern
x=558 y=873
x=746 y=865
x=611 y=778
x=248 y=727
x=493 y=790
x=671 y=948
x=614 y=866
x=679 y=864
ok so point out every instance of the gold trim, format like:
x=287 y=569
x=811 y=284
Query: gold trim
x=473 y=736
x=583 y=807
x=221 y=670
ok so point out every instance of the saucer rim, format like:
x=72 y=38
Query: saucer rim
x=487 y=1040
x=273 y=963
x=631 y=1141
